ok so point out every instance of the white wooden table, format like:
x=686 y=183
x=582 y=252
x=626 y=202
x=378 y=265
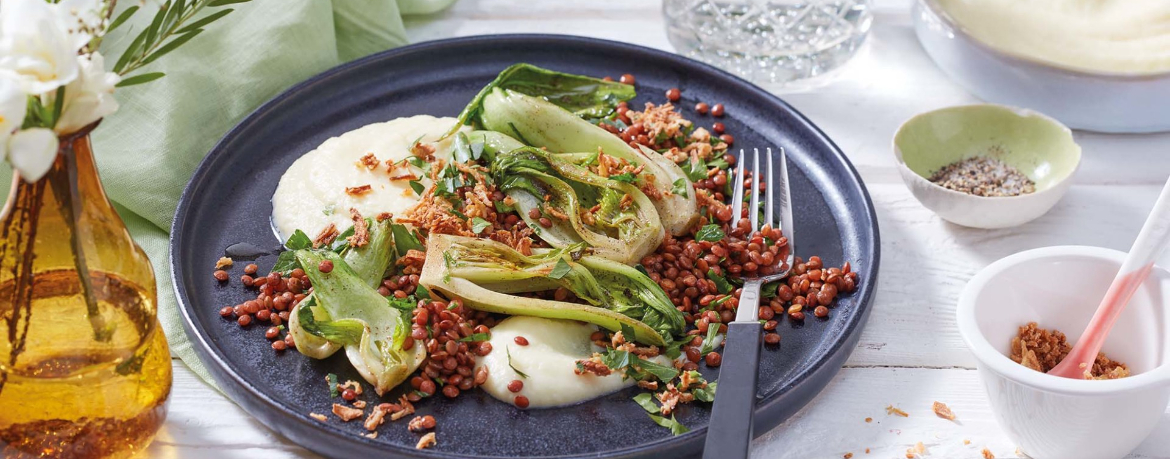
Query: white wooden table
x=910 y=353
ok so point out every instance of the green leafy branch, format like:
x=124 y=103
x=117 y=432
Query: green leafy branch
x=173 y=25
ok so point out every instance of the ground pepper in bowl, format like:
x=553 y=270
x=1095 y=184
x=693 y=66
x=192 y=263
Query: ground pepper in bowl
x=983 y=176
x=1041 y=350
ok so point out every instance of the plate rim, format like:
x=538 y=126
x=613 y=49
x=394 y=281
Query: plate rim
x=241 y=391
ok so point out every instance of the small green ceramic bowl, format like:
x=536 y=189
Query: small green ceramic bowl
x=1036 y=145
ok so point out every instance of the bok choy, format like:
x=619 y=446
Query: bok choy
x=486 y=274
x=586 y=97
x=542 y=124
x=369 y=262
x=582 y=206
x=346 y=311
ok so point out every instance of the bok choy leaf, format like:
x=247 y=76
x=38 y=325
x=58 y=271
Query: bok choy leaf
x=348 y=311
x=586 y=97
x=485 y=274
x=309 y=324
x=582 y=206
x=541 y=124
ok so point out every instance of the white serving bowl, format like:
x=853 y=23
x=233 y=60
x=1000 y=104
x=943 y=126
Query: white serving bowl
x=1059 y=288
x=1082 y=100
x=1036 y=145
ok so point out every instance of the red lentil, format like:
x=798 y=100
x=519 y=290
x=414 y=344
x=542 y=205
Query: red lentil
x=673 y=94
x=279 y=345
x=713 y=359
x=702 y=108
x=717 y=110
x=516 y=385
x=221 y=275
x=521 y=340
x=325 y=266
x=627 y=79
x=521 y=401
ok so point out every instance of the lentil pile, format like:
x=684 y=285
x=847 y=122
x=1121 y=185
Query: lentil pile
x=983 y=176
x=1041 y=350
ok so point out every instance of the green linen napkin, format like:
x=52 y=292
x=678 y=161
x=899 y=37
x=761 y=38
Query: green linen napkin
x=148 y=150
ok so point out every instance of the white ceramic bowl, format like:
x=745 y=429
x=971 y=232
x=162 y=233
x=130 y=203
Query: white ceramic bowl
x=1059 y=288
x=1038 y=146
x=1082 y=100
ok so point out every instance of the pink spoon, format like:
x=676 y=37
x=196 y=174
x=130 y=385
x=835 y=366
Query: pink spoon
x=1151 y=241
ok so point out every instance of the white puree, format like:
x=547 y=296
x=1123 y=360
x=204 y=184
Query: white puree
x=1104 y=36
x=311 y=194
x=549 y=360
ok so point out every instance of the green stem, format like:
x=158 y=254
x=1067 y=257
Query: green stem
x=137 y=63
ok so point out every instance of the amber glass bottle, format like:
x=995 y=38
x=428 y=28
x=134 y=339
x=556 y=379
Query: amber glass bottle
x=85 y=371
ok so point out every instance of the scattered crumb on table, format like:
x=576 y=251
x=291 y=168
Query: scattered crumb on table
x=943 y=411
x=892 y=410
x=319 y=417
x=987 y=454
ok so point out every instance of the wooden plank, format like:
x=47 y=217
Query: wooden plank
x=202 y=424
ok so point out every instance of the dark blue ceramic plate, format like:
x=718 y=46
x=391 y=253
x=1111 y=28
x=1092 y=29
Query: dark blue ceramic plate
x=228 y=202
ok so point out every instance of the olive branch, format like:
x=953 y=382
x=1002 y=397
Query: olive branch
x=173 y=25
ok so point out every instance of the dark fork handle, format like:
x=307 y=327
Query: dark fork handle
x=730 y=432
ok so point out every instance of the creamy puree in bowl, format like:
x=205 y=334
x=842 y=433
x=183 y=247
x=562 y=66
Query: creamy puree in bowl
x=311 y=193
x=1097 y=36
x=548 y=361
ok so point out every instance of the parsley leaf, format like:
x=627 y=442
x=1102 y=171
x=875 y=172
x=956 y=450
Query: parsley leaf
x=299 y=240
x=458 y=214
x=479 y=224
x=615 y=359
x=332 y=380
x=705 y=394
x=721 y=282
x=696 y=170
x=680 y=187
x=710 y=233
x=624 y=177
x=560 y=270
x=509 y=351
x=503 y=208
x=675 y=427
x=418 y=187
x=646 y=401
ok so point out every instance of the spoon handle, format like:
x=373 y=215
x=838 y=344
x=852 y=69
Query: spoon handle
x=1153 y=238
x=1150 y=243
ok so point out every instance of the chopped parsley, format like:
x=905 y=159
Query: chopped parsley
x=478 y=225
x=710 y=233
x=646 y=401
x=680 y=188
x=721 y=282
x=675 y=427
x=476 y=337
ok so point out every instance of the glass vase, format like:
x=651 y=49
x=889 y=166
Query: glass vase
x=85 y=371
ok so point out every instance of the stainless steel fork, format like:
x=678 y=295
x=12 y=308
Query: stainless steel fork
x=729 y=433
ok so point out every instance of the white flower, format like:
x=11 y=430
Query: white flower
x=32 y=152
x=13 y=103
x=88 y=98
x=81 y=20
x=34 y=47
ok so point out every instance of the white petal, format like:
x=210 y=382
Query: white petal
x=88 y=98
x=32 y=152
x=35 y=47
x=80 y=19
x=13 y=104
